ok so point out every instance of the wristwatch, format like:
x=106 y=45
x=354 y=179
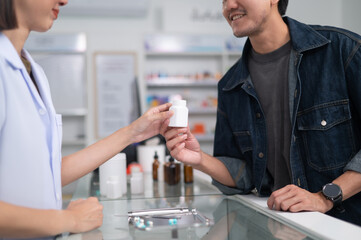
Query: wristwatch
x=333 y=193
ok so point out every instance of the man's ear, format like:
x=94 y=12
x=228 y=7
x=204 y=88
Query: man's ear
x=274 y=2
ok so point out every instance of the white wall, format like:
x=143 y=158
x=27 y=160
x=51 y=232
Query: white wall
x=344 y=14
x=322 y=12
x=351 y=15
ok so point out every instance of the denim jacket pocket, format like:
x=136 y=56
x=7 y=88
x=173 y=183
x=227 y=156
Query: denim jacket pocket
x=243 y=139
x=326 y=132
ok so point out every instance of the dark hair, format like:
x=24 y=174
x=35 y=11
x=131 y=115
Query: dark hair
x=7 y=15
x=282 y=6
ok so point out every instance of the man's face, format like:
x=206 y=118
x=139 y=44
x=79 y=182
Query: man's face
x=246 y=17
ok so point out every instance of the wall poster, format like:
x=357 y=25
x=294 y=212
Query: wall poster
x=117 y=98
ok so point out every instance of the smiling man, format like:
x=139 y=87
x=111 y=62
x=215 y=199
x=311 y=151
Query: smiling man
x=288 y=121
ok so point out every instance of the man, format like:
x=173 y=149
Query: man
x=288 y=121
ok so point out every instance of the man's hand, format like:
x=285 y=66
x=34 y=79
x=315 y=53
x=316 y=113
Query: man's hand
x=294 y=199
x=182 y=145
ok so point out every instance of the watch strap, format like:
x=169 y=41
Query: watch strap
x=337 y=204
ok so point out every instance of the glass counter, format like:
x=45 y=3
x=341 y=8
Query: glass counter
x=233 y=217
x=152 y=189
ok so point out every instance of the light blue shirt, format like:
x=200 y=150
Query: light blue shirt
x=30 y=135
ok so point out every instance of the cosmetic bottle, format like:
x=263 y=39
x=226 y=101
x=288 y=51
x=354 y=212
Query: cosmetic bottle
x=188 y=173
x=173 y=172
x=180 y=116
x=155 y=167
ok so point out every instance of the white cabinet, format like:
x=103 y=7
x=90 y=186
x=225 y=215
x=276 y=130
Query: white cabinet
x=62 y=56
x=188 y=67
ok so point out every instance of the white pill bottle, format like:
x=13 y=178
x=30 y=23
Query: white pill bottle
x=180 y=116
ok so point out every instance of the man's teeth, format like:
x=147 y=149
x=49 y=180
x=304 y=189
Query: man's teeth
x=236 y=17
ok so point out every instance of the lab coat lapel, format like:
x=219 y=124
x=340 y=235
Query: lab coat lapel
x=46 y=101
x=42 y=82
x=14 y=60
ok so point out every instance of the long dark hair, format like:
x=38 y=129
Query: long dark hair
x=7 y=15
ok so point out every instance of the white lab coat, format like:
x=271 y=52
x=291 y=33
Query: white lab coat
x=30 y=135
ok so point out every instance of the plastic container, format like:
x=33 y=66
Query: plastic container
x=114 y=188
x=137 y=183
x=116 y=166
x=180 y=116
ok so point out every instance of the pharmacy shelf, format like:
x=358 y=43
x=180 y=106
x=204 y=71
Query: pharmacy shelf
x=192 y=74
x=80 y=112
x=204 y=138
x=202 y=111
x=80 y=142
x=180 y=82
x=234 y=54
x=186 y=54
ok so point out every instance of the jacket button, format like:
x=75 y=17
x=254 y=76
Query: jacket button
x=258 y=115
x=299 y=182
x=260 y=155
x=323 y=123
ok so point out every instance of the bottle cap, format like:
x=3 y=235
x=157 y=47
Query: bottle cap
x=156 y=155
x=179 y=102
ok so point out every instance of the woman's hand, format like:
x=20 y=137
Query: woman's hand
x=148 y=125
x=84 y=215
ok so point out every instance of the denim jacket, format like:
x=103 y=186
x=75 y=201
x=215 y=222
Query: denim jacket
x=325 y=110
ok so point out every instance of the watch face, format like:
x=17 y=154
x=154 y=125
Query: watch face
x=331 y=190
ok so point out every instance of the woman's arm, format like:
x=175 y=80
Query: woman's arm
x=19 y=222
x=80 y=163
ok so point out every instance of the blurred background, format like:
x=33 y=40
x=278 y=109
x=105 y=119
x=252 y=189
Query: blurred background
x=108 y=61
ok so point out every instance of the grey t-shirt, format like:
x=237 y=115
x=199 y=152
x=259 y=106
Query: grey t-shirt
x=269 y=74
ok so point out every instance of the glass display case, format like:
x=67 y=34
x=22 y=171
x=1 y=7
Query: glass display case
x=231 y=217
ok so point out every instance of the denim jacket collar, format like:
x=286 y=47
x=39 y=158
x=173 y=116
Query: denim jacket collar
x=303 y=38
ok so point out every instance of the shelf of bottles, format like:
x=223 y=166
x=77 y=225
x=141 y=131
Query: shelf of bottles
x=189 y=67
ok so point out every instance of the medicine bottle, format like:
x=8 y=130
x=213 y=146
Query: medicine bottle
x=180 y=116
x=155 y=167
x=173 y=172
x=188 y=173
x=165 y=171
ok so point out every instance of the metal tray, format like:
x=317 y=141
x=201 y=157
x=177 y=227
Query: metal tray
x=167 y=217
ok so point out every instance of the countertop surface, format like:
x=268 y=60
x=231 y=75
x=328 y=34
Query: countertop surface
x=233 y=217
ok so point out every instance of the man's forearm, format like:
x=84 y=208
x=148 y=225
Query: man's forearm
x=350 y=183
x=216 y=169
